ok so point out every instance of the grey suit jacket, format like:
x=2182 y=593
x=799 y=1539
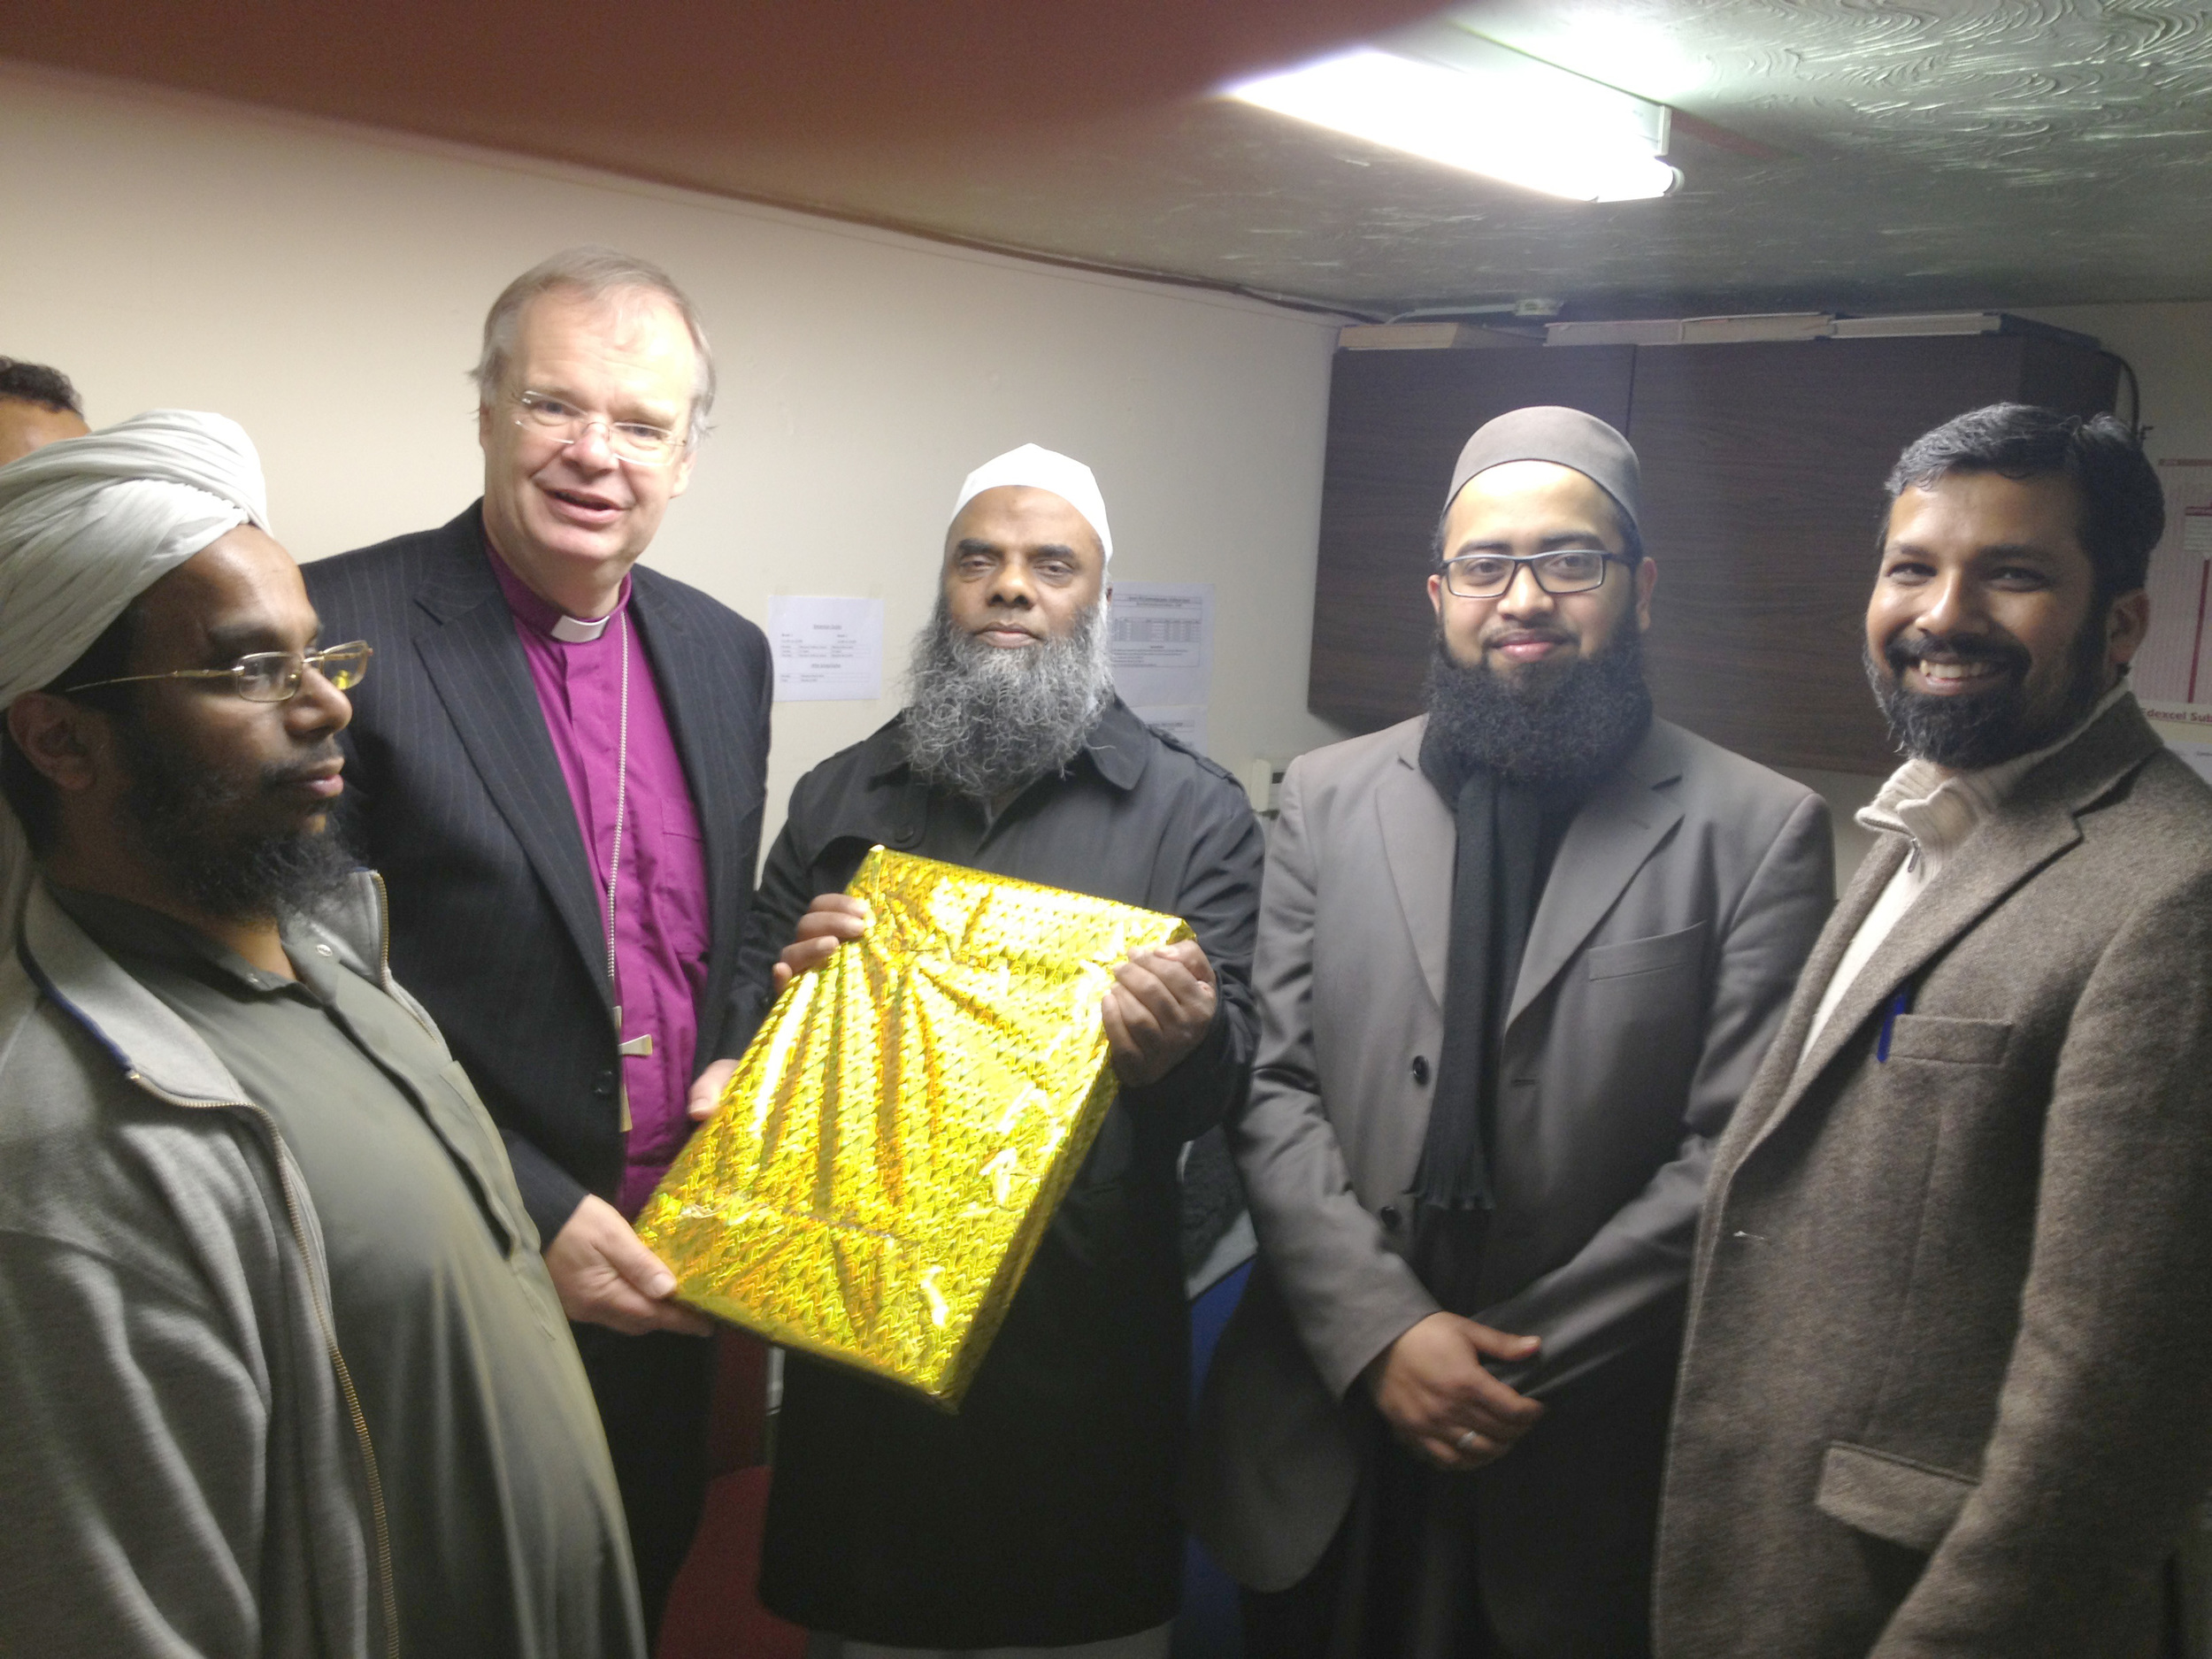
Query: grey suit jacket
x=1947 y=1382
x=1684 y=897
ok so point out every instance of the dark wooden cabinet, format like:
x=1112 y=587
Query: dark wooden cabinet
x=1763 y=468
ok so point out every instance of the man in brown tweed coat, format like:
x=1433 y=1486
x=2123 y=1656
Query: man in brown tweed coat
x=1947 y=1381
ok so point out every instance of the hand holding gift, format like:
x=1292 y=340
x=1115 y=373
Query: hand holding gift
x=1160 y=1009
x=893 y=1143
x=832 y=919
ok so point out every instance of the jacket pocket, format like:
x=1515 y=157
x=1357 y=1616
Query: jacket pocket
x=1646 y=955
x=1957 y=1042
x=1889 y=1497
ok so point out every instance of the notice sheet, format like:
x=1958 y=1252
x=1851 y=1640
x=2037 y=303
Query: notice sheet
x=828 y=648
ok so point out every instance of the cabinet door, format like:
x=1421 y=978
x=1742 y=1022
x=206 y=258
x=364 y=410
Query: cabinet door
x=1397 y=422
x=1762 y=470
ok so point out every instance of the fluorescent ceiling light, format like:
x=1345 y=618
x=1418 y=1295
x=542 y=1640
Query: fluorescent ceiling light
x=1454 y=97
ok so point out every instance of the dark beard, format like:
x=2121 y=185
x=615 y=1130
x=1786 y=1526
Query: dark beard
x=1987 y=728
x=187 y=821
x=983 y=722
x=1575 y=728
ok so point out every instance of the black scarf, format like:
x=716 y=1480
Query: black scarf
x=1509 y=832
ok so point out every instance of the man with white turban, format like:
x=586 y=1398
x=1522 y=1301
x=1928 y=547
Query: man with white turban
x=86 y=533
x=1043 y=1515
x=281 y=1370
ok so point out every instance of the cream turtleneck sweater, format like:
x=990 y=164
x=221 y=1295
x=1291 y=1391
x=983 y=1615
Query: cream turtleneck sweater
x=1937 y=811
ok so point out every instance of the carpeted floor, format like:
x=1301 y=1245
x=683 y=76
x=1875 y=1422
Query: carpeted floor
x=713 y=1612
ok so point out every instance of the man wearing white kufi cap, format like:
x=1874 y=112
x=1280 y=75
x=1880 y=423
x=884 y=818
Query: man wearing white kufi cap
x=279 y=1369
x=1043 y=1515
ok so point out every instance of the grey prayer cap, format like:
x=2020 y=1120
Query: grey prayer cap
x=1565 y=437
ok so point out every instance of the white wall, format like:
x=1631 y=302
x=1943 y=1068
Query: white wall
x=324 y=286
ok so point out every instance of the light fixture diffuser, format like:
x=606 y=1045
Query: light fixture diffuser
x=1452 y=96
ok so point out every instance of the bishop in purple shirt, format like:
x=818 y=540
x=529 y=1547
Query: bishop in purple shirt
x=560 y=773
x=602 y=711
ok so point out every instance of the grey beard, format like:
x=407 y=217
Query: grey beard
x=1575 y=729
x=983 y=722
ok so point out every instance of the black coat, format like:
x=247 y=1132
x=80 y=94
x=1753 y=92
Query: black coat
x=454 y=792
x=1044 y=1513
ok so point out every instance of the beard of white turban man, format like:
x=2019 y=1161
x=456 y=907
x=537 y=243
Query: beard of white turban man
x=87 y=525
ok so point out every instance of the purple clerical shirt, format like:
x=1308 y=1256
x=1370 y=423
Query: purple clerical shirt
x=660 y=930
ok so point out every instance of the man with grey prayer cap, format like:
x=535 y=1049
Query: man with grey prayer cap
x=1518 y=957
x=1042 y=1517
x=280 y=1369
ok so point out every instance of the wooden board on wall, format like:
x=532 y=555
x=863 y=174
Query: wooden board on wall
x=1397 y=421
x=1764 y=467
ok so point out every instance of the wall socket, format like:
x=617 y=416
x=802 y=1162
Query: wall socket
x=1263 y=781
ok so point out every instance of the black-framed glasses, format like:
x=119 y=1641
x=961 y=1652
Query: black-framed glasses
x=267 y=676
x=1570 y=570
x=632 y=439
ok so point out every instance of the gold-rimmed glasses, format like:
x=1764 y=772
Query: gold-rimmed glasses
x=266 y=676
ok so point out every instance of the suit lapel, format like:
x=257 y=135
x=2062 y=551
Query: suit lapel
x=2038 y=823
x=1617 y=830
x=465 y=638
x=1420 y=841
x=1772 y=1086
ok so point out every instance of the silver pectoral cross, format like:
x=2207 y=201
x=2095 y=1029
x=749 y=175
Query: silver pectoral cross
x=634 y=1049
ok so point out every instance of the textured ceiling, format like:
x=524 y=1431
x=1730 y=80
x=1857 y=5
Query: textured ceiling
x=1858 y=154
x=1999 y=151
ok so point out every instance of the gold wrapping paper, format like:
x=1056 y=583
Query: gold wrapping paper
x=896 y=1140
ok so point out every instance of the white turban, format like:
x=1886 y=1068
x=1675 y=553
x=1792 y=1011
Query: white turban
x=88 y=524
x=1032 y=467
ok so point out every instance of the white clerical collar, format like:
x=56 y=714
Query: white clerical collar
x=576 y=631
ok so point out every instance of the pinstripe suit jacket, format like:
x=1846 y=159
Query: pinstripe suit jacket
x=453 y=791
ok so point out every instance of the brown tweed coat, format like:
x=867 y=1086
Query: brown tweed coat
x=1947 y=1382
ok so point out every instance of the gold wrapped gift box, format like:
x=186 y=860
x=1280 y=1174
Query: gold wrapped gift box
x=896 y=1140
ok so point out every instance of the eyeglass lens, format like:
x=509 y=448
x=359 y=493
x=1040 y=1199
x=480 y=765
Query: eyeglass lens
x=275 y=676
x=1484 y=577
x=632 y=440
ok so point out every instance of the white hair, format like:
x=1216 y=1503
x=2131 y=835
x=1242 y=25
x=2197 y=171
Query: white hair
x=592 y=273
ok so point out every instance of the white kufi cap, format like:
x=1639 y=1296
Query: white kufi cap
x=1033 y=467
